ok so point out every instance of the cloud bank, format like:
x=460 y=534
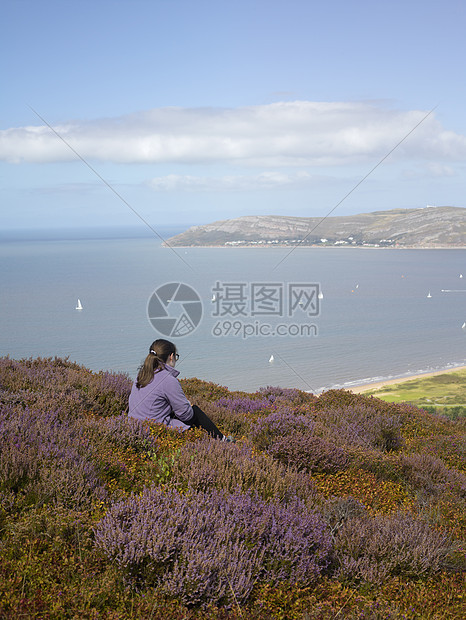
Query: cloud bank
x=231 y=183
x=299 y=133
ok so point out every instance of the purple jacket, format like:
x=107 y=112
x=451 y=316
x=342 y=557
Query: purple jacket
x=162 y=400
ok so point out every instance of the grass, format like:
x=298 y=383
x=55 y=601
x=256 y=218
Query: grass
x=446 y=393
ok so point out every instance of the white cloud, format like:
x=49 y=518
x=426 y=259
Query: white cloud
x=68 y=188
x=430 y=170
x=231 y=183
x=440 y=170
x=299 y=133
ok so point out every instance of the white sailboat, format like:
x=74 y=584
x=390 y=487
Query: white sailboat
x=429 y=295
x=271 y=358
x=79 y=305
x=464 y=325
x=320 y=295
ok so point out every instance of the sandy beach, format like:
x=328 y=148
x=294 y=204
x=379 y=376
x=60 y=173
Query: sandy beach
x=358 y=389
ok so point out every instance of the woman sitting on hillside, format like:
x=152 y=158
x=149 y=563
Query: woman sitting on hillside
x=157 y=395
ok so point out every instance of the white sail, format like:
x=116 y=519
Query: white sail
x=320 y=295
x=79 y=305
x=271 y=358
x=429 y=295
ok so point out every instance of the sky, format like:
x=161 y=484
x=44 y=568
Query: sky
x=181 y=112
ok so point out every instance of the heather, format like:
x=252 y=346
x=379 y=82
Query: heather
x=209 y=464
x=207 y=547
x=339 y=505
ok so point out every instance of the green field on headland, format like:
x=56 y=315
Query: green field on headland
x=446 y=393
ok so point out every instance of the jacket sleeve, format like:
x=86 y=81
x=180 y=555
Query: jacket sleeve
x=178 y=401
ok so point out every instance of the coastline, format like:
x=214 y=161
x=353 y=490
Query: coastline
x=359 y=389
x=321 y=247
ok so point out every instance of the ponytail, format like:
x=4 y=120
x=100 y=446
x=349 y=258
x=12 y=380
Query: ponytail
x=159 y=352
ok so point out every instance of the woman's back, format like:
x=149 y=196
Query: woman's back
x=157 y=394
x=161 y=400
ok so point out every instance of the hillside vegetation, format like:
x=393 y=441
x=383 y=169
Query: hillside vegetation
x=427 y=227
x=336 y=506
x=443 y=393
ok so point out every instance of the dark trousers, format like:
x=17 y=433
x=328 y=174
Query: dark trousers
x=201 y=420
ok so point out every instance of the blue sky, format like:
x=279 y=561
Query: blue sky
x=200 y=110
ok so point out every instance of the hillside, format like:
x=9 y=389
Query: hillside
x=443 y=394
x=327 y=506
x=427 y=227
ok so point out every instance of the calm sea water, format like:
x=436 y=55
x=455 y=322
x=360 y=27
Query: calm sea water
x=375 y=320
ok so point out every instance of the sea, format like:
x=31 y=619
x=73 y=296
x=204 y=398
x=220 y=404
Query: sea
x=245 y=318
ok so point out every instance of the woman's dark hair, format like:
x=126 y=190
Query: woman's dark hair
x=159 y=352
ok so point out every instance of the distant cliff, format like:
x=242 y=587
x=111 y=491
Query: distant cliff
x=426 y=227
